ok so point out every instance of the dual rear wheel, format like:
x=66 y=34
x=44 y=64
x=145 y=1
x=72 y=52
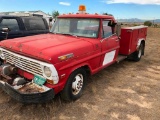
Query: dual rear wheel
x=136 y=56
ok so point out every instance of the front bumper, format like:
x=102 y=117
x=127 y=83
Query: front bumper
x=27 y=98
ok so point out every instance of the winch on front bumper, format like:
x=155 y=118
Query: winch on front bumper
x=21 y=89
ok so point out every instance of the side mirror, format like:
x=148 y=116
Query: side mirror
x=111 y=24
x=5 y=30
x=118 y=29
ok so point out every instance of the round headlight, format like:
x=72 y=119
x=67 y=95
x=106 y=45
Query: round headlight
x=47 y=71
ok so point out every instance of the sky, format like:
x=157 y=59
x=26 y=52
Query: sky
x=121 y=9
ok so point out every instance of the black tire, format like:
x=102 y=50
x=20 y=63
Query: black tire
x=1 y=61
x=138 y=54
x=69 y=93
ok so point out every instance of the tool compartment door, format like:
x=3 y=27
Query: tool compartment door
x=130 y=37
x=133 y=41
x=125 y=41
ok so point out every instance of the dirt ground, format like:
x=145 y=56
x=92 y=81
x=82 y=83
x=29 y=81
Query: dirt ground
x=124 y=91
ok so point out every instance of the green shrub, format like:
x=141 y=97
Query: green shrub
x=148 y=23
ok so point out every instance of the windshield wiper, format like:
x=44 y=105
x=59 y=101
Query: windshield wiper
x=64 y=33
x=55 y=32
x=69 y=34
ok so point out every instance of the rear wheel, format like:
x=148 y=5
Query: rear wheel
x=138 y=54
x=75 y=85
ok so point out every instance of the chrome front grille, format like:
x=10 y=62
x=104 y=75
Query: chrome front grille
x=23 y=63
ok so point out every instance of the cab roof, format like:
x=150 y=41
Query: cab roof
x=87 y=16
x=9 y=16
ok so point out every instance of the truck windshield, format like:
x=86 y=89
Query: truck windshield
x=76 y=27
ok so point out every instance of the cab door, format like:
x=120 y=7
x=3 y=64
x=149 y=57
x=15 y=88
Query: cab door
x=110 y=44
x=13 y=23
x=35 y=25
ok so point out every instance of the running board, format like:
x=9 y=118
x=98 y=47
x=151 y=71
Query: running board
x=120 y=58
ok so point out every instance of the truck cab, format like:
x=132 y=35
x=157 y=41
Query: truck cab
x=78 y=45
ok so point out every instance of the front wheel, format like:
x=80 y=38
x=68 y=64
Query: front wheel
x=75 y=85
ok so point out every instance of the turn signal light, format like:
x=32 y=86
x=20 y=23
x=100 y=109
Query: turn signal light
x=82 y=8
x=61 y=58
x=65 y=57
x=50 y=81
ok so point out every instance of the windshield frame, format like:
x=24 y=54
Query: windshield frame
x=70 y=34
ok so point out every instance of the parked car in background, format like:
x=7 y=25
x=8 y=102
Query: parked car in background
x=18 y=26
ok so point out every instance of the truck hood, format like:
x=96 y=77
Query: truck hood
x=48 y=47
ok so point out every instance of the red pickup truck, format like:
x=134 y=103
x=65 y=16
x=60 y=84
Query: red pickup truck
x=36 y=68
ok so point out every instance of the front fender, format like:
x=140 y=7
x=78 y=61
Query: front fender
x=68 y=71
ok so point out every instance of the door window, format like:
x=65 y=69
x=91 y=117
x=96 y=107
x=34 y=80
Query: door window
x=107 y=30
x=34 y=23
x=12 y=24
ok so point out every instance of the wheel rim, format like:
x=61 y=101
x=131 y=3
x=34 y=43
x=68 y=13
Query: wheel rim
x=140 y=53
x=77 y=84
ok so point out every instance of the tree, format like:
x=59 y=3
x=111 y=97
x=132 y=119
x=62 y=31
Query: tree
x=155 y=25
x=55 y=14
x=148 y=23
